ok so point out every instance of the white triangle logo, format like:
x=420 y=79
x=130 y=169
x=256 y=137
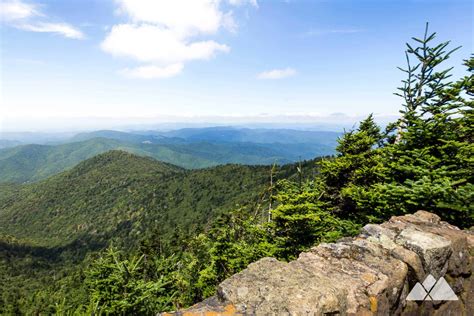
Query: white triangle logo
x=441 y=291
x=432 y=290
x=418 y=293
x=429 y=282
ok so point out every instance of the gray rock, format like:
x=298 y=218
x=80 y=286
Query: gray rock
x=433 y=250
x=269 y=286
x=385 y=238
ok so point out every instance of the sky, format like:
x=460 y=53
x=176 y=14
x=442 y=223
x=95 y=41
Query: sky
x=98 y=63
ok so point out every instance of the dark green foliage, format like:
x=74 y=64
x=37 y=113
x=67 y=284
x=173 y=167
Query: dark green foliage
x=301 y=219
x=235 y=240
x=120 y=285
x=423 y=161
x=358 y=165
x=36 y=279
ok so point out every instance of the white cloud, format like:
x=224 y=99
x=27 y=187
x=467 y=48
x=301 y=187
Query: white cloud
x=26 y=16
x=162 y=33
x=277 y=73
x=16 y=10
x=152 y=72
x=182 y=16
x=60 y=28
x=150 y=43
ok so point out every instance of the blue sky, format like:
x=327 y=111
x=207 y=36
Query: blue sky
x=64 y=62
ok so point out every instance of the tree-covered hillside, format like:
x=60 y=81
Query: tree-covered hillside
x=29 y=163
x=119 y=194
x=49 y=229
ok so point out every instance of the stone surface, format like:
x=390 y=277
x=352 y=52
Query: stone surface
x=370 y=274
x=268 y=283
x=432 y=249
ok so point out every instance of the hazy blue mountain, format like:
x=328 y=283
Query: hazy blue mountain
x=117 y=135
x=234 y=134
x=219 y=134
x=34 y=162
x=36 y=137
x=5 y=143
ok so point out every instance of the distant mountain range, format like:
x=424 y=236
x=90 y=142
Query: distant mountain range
x=188 y=148
x=218 y=135
x=211 y=134
x=229 y=134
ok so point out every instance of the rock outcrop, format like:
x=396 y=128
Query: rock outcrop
x=371 y=274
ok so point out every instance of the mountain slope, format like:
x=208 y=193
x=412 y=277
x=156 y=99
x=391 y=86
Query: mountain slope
x=117 y=194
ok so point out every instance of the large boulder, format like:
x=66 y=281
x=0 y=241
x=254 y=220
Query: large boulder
x=371 y=274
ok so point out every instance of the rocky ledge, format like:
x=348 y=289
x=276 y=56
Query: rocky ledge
x=371 y=274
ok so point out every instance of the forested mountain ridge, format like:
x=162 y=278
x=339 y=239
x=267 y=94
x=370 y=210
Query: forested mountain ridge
x=117 y=191
x=117 y=188
x=34 y=162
